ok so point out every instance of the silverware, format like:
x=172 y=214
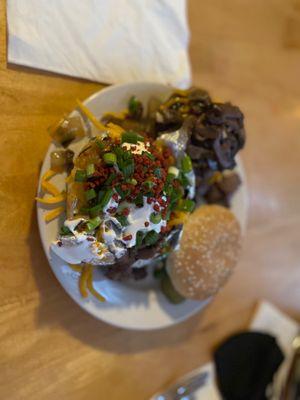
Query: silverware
x=184 y=387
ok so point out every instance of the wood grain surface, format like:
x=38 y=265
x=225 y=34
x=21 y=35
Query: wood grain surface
x=246 y=51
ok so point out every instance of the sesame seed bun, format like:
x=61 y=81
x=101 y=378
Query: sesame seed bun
x=208 y=253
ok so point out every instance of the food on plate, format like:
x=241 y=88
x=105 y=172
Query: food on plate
x=125 y=196
x=209 y=250
x=133 y=178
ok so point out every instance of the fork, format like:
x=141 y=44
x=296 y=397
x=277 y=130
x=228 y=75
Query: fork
x=184 y=387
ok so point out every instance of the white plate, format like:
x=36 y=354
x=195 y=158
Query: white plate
x=138 y=305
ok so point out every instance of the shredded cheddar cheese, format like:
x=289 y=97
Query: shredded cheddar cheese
x=91 y=116
x=50 y=188
x=119 y=115
x=76 y=267
x=114 y=130
x=174 y=100
x=53 y=213
x=51 y=200
x=48 y=174
x=179 y=218
x=83 y=281
x=181 y=92
x=217 y=177
x=91 y=287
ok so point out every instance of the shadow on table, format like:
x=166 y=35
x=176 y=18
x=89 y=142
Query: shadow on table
x=58 y=309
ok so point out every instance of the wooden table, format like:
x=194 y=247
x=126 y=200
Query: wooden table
x=246 y=51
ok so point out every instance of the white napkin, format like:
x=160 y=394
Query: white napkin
x=270 y=320
x=113 y=41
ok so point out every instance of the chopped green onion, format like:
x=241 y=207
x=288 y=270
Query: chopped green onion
x=132 y=181
x=90 y=194
x=149 y=194
x=110 y=179
x=100 y=144
x=173 y=171
x=121 y=193
x=90 y=169
x=151 y=238
x=135 y=107
x=155 y=218
x=84 y=210
x=157 y=172
x=100 y=195
x=131 y=137
x=168 y=214
x=139 y=201
x=110 y=158
x=127 y=155
x=175 y=195
x=170 y=178
x=96 y=210
x=168 y=189
x=139 y=238
x=64 y=231
x=186 y=164
x=122 y=219
x=128 y=169
x=148 y=185
x=106 y=197
x=93 y=223
x=149 y=155
x=186 y=205
x=80 y=176
x=184 y=180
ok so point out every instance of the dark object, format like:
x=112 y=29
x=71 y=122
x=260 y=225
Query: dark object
x=135 y=108
x=245 y=365
x=121 y=270
x=139 y=273
x=221 y=192
x=169 y=291
x=220 y=131
x=216 y=134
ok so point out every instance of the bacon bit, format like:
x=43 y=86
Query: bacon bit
x=59 y=243
x=146 y=224
x=161 y=201
x=115 y=196
x=90 y=239
x=149 y=200
x=156 y=207
x=112 y=210
x=128 y=237
x=125 y=212
x=165 y=229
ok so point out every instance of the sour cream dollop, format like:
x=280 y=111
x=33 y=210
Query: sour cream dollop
x=137 y=218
